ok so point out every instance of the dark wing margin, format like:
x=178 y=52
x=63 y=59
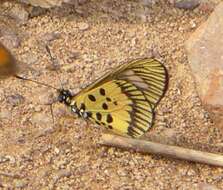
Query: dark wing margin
x=141 y=114
x=149 y=76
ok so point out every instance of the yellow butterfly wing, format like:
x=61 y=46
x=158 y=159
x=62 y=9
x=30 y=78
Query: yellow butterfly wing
x=124 y=99
x=119 y=106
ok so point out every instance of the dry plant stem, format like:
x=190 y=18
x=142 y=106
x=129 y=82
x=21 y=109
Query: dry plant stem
x=161 y=149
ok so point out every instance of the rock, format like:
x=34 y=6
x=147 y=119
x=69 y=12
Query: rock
x=3 y=159
x=41 y=119
x=207 y=6
x=10 y=40
x=19 y=14
x=148 y=2
x=36 y=11
x=30 y=58
x=20 y=183
x=206 y=186
x=43 y=3
x=143 y=14
x=83 y=26
x=187 y=4
x=47 y=3
x=50 y=36
x=81 y=2
x=46 y=98
x=11 y=159
x=205 y=55
x=15 y=99
x=5 y=114
x=61 y=174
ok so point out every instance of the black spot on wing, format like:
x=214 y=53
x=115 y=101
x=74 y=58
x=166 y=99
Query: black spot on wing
x=108 y=99
x=92 y=98
x=82 y=106
x=98 y=123
x=98 y=116
x=110 y=127
x=109 y=118
x=104 y=106
x=89 y=114
x=102 y=91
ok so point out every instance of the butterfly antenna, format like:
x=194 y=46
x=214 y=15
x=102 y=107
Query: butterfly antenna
x=34 y=81
x=54 y=64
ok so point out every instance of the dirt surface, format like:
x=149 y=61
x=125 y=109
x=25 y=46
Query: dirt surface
x=37 y=153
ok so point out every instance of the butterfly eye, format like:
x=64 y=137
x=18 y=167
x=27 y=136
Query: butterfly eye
x=61 y=98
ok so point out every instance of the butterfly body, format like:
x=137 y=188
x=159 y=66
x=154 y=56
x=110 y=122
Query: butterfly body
x=123 y=100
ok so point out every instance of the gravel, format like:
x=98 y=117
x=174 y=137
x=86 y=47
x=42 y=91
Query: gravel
x=65 y=154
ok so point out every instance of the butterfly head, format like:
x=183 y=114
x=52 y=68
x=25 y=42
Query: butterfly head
x=64 y=96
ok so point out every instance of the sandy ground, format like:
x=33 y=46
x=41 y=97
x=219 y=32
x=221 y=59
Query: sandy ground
x=36 y=153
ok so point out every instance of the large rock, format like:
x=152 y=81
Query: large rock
x=205 y=54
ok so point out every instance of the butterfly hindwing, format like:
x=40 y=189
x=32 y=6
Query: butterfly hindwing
x=119 y=106
x=149 y=76
x=124 y=99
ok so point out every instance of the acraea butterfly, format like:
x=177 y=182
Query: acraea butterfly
x=123 y=100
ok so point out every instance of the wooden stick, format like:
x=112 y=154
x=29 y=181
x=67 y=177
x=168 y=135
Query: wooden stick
x=161 y=149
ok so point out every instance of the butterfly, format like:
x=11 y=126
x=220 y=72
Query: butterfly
x=8 y=65
x=123 y=100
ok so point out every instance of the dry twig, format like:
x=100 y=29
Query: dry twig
x=161 y=149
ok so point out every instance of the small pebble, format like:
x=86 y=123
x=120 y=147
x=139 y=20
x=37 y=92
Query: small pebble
x=30 y=58
x=10 y=40
x=148 y=2
x=207 y=186
x=15 y=100
x=187 y=4
x=41 y=119
x=5 y=114
x=36 y=11
x=61 y=173
x=83 y=26
x=46 y=98
x=11 y=159
x=19 y=14
x=20 y=183
x=50 y=36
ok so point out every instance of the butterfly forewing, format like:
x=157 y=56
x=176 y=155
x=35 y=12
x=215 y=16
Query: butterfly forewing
x=149 y=76
x=124 y=99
